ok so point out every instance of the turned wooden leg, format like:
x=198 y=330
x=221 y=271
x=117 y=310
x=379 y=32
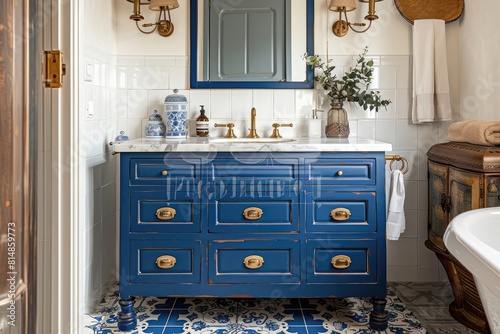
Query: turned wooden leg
x=127 y=320
x=379 y=316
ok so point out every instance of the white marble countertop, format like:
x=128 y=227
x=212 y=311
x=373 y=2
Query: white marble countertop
x=196 y=144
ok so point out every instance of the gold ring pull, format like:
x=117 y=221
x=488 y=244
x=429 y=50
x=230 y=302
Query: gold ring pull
x=253 y=213
x=164 y=172
x=341 y=261
x=340 y=173
x=340 y=214
x=165 y=261
x=165 y=213
x=253 y=262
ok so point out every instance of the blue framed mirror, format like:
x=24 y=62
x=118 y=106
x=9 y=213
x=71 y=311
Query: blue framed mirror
x=251 y=43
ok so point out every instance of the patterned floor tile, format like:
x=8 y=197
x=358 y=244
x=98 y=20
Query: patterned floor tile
x=352 y=315
x=297 y=330
x=167 y=303
x=251 y=316
x=262 y=316
x=173 y=330
x=430 y=302
x=175 y=318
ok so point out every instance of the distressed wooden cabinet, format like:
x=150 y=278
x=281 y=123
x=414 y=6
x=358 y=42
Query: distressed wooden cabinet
x=462 y=177
x=252 y=224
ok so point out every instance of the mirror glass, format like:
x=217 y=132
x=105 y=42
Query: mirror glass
x=251 y=43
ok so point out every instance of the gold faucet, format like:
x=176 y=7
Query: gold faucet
x=230 y=132
x=253 y=131
x=276 y=132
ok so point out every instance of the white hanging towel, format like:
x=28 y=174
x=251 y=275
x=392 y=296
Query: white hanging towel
x=431 y=87
x=396 y=216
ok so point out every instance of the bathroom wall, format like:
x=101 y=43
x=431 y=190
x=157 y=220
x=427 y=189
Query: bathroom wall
x=479 y=66
x=97 y=127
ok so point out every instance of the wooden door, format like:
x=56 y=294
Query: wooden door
x=465 y=191
x=492 y=186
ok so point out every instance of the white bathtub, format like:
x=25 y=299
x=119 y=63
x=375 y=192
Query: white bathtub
x=473 y=238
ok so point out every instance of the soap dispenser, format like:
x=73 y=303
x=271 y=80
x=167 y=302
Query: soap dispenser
x=202 y=124
x=315 y=125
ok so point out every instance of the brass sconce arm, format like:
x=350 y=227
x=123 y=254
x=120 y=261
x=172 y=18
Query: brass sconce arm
x=341 y=26
x=163 y=24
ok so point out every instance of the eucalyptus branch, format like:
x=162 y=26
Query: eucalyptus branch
x=354 y=84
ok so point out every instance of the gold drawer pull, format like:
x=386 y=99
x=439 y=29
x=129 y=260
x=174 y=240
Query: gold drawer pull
x=165 y=261
x=341 y=261
x=253 y=213
x=340 y=173
x=340 y=214
x=165 y=213
x=253 y=262
x=164 y=172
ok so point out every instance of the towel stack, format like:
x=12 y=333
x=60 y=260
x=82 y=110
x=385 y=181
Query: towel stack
x=475 y=132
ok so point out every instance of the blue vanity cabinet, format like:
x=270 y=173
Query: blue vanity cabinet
x=161 y=218
x=252 y=224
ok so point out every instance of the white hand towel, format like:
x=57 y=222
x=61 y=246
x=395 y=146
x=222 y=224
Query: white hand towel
x=395 y=216
x=431 y=88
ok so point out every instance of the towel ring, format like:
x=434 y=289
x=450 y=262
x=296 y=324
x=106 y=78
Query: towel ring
x=405 y=165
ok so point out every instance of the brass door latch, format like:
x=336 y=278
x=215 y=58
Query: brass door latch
x=53 y=68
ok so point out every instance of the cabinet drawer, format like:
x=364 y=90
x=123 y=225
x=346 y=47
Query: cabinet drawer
x=154 y=212
x=176 y=171
x=341 y=212
x=280 y=261
x=340 y=172
x=150 y=259
x=274 y=212
x=256 y=170
x=356 y=261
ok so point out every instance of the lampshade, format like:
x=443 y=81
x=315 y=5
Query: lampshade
x=338 y=5
x=157 y=4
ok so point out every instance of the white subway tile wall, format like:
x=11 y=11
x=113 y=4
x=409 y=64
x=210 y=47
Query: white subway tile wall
x=106 y=107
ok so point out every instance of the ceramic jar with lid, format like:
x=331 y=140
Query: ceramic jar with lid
x=122 y=136
x=155 y=128
x=176 y=115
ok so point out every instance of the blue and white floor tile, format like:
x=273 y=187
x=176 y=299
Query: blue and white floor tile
x=251 y=316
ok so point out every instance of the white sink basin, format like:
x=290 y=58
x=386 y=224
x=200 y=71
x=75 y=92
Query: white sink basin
x=251 y=140
x=473 y=237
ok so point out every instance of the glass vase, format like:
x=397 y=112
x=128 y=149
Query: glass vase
x=337 y=121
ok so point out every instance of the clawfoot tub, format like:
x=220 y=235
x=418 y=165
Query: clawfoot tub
x=473 y=237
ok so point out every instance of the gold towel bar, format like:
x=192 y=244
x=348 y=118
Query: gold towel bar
x=405 y=165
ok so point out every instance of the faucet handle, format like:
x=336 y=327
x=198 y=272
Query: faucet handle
x=276 y=133
x=230 y=132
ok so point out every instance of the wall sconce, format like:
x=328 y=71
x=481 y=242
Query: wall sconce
x=341 y=27
x=163 y=24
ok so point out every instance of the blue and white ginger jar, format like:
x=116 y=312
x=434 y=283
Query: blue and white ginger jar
x=122 y=136
x=155 y=127
x=176 y=115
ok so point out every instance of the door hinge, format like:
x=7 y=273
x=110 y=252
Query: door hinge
x=53 y=68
